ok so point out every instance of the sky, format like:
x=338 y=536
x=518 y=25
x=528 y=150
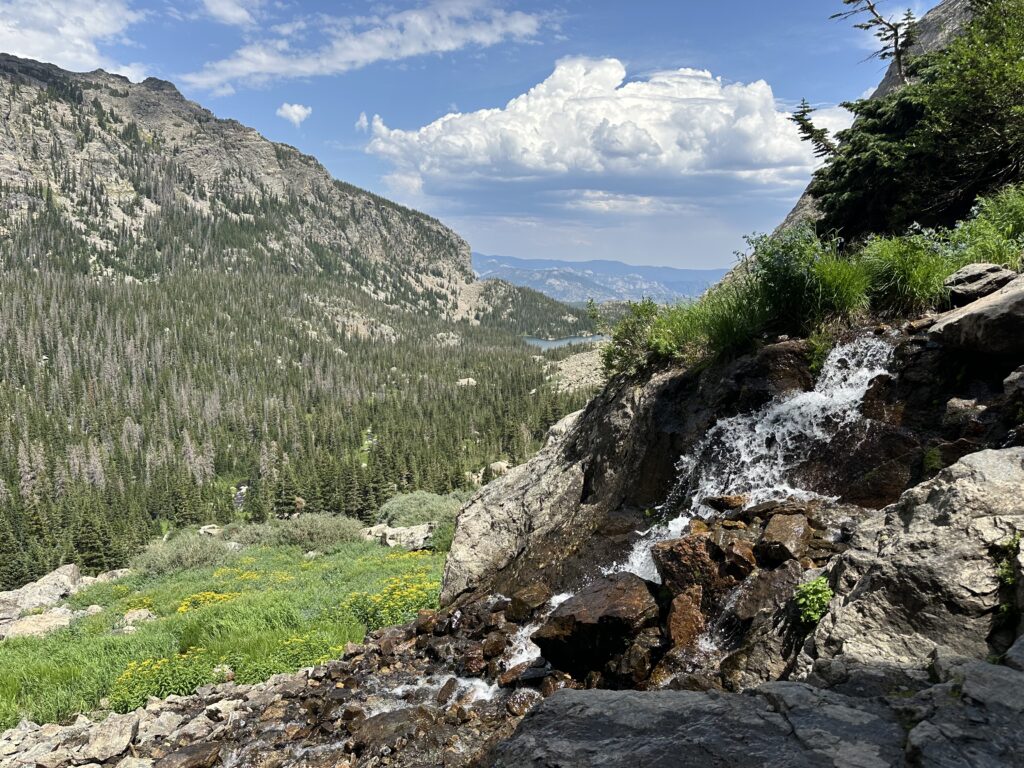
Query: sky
x=651 y=132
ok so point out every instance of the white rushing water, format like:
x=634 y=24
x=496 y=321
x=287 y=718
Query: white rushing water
x=755 y=454
x=521 y=648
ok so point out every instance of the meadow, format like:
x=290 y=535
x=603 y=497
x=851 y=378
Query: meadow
x=218 y=615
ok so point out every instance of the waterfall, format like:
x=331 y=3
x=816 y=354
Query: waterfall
x=756 y=454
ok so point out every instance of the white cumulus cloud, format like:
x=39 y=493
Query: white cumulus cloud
x=586 y=120
x=235 y=12
x=294 y=113
x=68 y=33
x=349 y=43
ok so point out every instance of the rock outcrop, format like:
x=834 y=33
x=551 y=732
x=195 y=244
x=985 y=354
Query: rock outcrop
x=975 y=281
x=993 y=325
x=924 y=573
x=29 y=610
x=970 y=717
x=412 y=537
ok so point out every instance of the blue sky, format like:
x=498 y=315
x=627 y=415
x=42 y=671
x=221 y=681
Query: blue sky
x=652 y=132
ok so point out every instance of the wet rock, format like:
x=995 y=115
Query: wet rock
x=685 y=618
x=385 y=730
x=526 y=600
x=739 y=559
x=597 y=623
x=522 y=701
x=494 y=644
x=687 y=562
x=634 y=666
x=784 y=538
x=725 y=503
x=766 y=590
x=526 y=672
x=993 y=325
x=923 y=573
x=976 y=281
x=447 y=690
x=192 y=756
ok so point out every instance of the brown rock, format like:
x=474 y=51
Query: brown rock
x=522 y=701
x=192 y=756
x=425 y=622
x=685 y=619
x=726 y=503
x=523 y=673
x=472 y=661
x=784 y=538
x=494 y=644
x=739 y=558
x=766 y=590
x=556 y=682
x=527 y=600
x=683 y=563
x=597 y=623
x=447 y=690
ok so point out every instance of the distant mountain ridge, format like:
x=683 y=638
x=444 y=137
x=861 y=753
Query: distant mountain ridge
x=601 y=280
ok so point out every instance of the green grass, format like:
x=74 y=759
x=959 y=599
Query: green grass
x=796 y=283
x=289 y=612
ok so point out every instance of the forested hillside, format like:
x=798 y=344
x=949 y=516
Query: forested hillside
x=187 y=309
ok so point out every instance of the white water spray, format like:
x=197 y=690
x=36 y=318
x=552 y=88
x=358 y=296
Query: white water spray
x=755 y=454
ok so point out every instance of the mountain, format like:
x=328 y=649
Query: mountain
x=576 y=282
x=190 y=308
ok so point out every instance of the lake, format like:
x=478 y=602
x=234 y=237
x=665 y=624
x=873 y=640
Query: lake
x=564 y=342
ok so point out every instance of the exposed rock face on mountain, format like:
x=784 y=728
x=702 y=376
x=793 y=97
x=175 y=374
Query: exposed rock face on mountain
x=135 y=180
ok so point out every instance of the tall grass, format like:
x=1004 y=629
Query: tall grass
x=796 y=283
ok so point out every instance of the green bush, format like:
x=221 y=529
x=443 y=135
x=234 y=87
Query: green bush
x=907 y=273
x=419 y=507
x=629 y=348
x=812 y=599
x=183 y=552
x=994 y=233
x=323 y=533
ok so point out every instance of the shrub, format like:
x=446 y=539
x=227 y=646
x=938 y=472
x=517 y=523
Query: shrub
x=994 y=233
x=323 y=533
x=419 y=507
x=628 y=349
x=184 y=552
x=907 y=273
x=812 y=599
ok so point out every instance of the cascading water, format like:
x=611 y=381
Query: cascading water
x=756 y=454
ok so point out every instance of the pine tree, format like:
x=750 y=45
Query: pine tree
x=896 y=37
x=820 y=139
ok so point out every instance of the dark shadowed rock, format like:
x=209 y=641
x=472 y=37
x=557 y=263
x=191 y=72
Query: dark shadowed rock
x=526 y=600
x=975 y=281
x=599 y=622
x=788 y=726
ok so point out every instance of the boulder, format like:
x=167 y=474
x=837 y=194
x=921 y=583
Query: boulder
x=789 y=725
x=993 y=325
x=601 y=621
x=111 y=737
x=50 y=589
x=39 y=624
x=975 y=281
x=211 y=530
x=192 y=756
x=923 y=573
x=685 y=619
x=413 y=537
x=784 y=538
x=526 y=600
x=686 y=562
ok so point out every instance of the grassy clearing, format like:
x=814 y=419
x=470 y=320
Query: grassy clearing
x=799 y=284
x=259 y=612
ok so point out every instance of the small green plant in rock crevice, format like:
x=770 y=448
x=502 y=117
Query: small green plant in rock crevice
x=1006 y=554
x=812 y=599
